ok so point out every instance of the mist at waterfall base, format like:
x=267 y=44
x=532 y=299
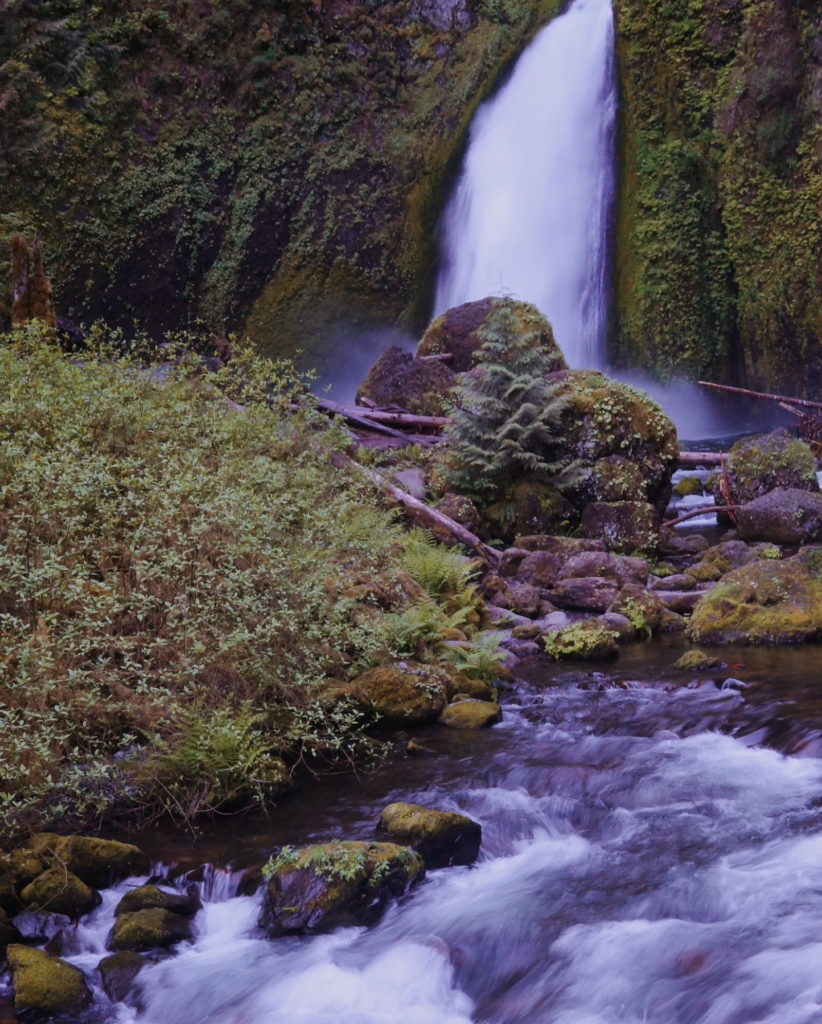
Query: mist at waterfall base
x=530 y=215
x=352 y=352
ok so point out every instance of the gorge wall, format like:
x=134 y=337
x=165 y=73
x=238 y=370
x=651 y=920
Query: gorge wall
x=720 y=208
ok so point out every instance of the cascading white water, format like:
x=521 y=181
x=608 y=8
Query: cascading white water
x=530 y=215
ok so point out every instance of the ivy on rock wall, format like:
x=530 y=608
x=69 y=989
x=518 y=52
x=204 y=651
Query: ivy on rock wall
x=257 y=162
x=720 y=206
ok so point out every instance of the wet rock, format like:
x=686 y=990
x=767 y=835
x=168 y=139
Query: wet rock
x=703 y=572
x=621 y=568
x=681 y=601
x=339 y=884
x=17 y=870
x=458 y=332
x=594 y=593
x=397 y=378
x=462 y=510
x=782 y=516
x=676 y=581
x=672 y=622
x=688 y=485
x=728 y=555
x=58 y=891
x=45 y=986
x=8 y=934
x=470 y=714
x=402 y=693
x=540 y=568
x=624 y=526
x=524 y=598
x=757 y=465
x=589 y=639
x=675 y=544
x=554 y=620
x=530 y=505
x=459 y=682
x=117 y=973
x=698 y=661
x=98 y=862
x=642 y=608
x=510 y=561
x=564 y=547
x=620 y=624
x=143 y=930
x=146 y=897
x=767 y=602
x=441 y=838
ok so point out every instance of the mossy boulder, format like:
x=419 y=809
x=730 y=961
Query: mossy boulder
x=620 y=568
x=756 y=465
x=589 y=640
x=17 y=869
x=98 y=862
x=338 y=884
x=45 y=986
x=696 y=660
x=457 y=332
x=146 y=897
x=782 y=516
x=641 y=607
x=531 y=505
x=687 y=486
x=766 y=602
x=624 y=526
x=421 y=386
x=626 y=445
x=402 y=693
x=459 y=682
x=727 y=555
x=584 y=593
x=117 y=973
x=58 y=891
x=154 y=928
x=470 y=714
x=441 y=838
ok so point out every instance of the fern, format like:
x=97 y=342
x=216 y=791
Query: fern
x=506 y=414
x=482 y=658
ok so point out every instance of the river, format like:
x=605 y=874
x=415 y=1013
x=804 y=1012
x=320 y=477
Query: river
x=652 y=852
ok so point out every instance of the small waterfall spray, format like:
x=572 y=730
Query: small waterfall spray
x=530 y=215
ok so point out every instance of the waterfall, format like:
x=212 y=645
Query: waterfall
x=530 y=215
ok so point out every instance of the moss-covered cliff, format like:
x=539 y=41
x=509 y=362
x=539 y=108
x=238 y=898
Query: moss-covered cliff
x=720 y=206
x=271 y=163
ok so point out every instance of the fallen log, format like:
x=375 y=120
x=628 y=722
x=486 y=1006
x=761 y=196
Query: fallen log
x=386 y=416
x=699 y=511
x=806 y=402
x=366 y=423
x=694 y=459
x=423 y=514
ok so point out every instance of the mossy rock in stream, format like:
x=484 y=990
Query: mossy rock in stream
x=402 y=693
x=46 y=987
x=17 y=869
x=442 y=838
x=470 y=714
x=153 y=928
x=766 y=602
x=58 y=891
x=117 y=973
x=588 y=640
x=146 y=897
x=338 y=884
x=98 y=862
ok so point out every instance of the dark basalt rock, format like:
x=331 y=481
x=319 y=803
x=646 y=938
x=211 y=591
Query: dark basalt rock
x=782 y=516
x=146 y=897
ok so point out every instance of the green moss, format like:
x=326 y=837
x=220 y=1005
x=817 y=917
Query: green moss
x=152 y=928
x=44 y=984
x=697 y=661
x=587 y=640
x=719 y=204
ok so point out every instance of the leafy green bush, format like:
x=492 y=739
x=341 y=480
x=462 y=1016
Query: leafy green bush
x=176 y=560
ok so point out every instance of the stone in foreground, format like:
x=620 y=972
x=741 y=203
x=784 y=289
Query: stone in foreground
x=60 y=892
x=117 y=973
x=442 y=838
x=470 y=714
x=332 y=885
x=45 y=986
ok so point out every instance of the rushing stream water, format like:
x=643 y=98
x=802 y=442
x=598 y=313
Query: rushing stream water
x=530 y=214
x=650 y=854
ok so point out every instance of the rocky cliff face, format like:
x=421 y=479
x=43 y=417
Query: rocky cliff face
x=272 y=164
x=720 y=207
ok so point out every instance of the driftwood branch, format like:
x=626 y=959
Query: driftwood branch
x=354 y=418
x=699 y=511
x=694 y=459
x=424 y=514
x=439 y=357
x=806 y=402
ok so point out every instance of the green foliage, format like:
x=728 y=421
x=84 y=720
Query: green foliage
x=505 y=415
x=171 y=541
x=482 y=658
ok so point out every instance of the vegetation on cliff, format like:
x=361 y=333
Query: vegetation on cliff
x=720 y=206
x=262 y=163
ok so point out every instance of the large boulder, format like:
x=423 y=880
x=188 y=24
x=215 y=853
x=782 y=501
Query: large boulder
x=339 y=884
x=45 y=986
x=624 y=526
x=17 y=870
x=756 y=465
x=470 y=714
x=403 y=693
x=585 y=593
x=782 y=516
x=147 y=897
x=766 y=602
x=457 y=332
x=60 y=892
x=441 y=838
x=98 y=862
x=420 y=385
x=117 y=973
